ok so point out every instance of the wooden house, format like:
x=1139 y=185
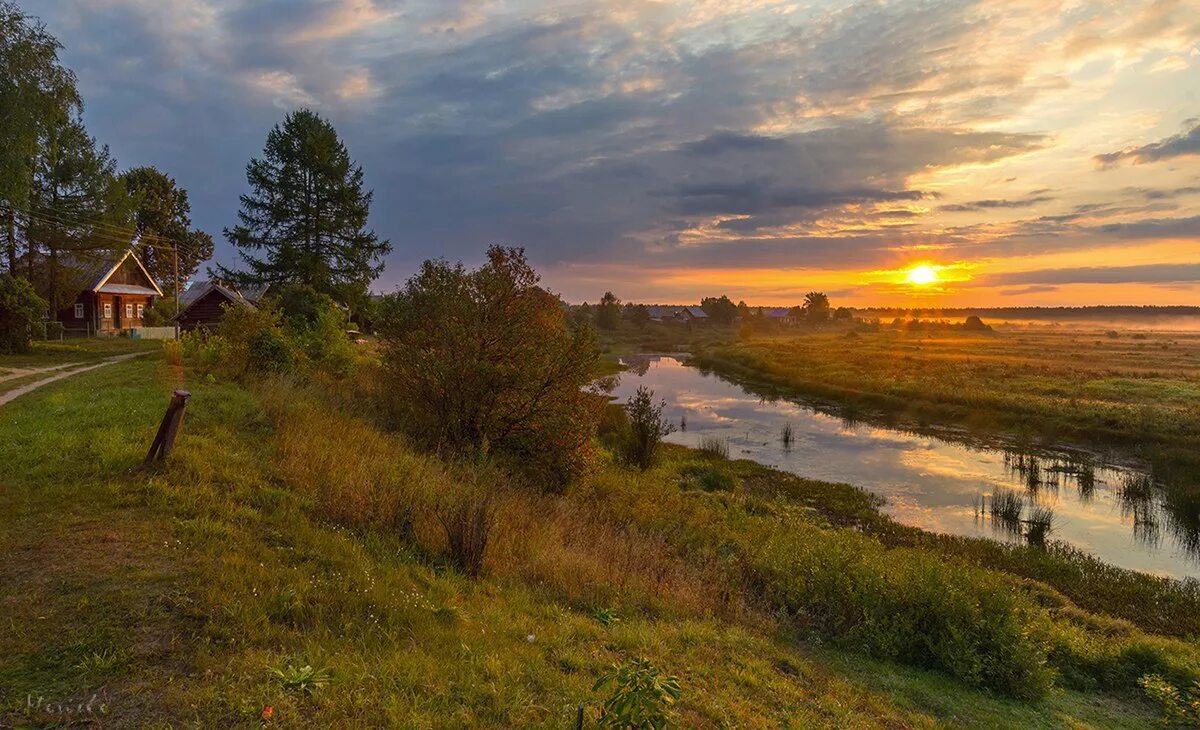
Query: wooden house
x=117 y=290
x=204 y=302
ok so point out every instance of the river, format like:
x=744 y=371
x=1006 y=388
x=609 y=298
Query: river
x=942 y=483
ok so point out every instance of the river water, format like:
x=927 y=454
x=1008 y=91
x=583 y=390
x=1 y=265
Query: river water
x=1115 y=512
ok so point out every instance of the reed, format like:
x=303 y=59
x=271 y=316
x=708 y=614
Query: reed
x=787 y=435
x=714 y=447
x=1005 y=508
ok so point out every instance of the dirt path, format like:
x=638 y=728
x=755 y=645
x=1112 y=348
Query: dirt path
x=12 y=373
x=17 y=392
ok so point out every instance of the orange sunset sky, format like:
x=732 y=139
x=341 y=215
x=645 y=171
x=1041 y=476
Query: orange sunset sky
x=1025 y=151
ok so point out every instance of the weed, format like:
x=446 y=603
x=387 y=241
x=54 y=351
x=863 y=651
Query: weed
x=305 y=679
x=641 y=696
x=606 y=616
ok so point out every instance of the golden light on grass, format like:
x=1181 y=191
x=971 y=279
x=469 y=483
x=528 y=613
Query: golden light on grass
x=922 y=275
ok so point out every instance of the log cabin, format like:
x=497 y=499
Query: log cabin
x=204 y=302
x=116 y=293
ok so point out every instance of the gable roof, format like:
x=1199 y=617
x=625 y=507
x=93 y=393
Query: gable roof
x=199 y=289
x=97 y=267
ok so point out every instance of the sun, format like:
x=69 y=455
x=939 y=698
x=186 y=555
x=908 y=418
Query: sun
x=922 y=275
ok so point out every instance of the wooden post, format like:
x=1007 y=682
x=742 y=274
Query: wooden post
x=164 y=440
x=579 y=718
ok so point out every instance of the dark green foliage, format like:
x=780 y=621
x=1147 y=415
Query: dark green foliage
x=162 y=218
x=640 y=697
x=719 y=309
x=1179 y=706
x=304 y=220
x=484 y=360
x=269 y=353
x=639 y=316
x=20 y=309
x=608 y=312
x=647 y=426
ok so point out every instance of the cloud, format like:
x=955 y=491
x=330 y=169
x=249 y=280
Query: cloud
x=993 y=203
x=1184 y=144
x=1143 y=274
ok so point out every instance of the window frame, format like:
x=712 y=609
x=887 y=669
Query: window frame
x=141 y=308
x=78 y=310
x=128 y=310
x=108 y=310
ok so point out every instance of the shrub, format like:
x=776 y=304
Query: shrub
x=20 y=309
x=1179 y=707
x=269 y=353
x=641 y=696
x=484 y=360
x=55 y=330
x=646 y=429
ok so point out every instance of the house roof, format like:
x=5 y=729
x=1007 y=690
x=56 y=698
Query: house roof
x=697 y=312
x=777 y=313
x=97 y=267
x=198 y=289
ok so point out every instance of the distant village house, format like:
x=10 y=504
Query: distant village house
x=204 y=302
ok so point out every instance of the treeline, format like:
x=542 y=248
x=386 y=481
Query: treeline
x=609 y=313
x=1095 y=312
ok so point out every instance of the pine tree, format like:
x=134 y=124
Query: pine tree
x=304 y=220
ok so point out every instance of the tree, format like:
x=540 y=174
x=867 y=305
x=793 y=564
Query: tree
x=647 y=427
x=304 y=221
x=79 y=208
x=483 y=361
x=608 y=312
x=163 y=223
x=816 y=306
x=36 y=92
x=640 y=316
x=719 y=309
x=20 y=308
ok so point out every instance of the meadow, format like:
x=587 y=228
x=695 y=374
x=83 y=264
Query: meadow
x=1051 y=385
x=270 y=574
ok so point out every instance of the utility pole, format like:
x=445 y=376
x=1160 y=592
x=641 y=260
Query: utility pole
x=175 y=251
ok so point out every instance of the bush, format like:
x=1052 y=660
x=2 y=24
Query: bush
x=714 y=447
x=269 y=353
x=646 y=429
x=708 y=477
x=55 y=330
x=484 y=360
x=20 y=309
x=1179 y=707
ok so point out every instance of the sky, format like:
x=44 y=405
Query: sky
x=1028 y=152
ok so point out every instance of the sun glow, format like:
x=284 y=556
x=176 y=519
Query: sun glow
x=922 y=275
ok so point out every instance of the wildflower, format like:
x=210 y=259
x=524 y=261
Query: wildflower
x=267 y=713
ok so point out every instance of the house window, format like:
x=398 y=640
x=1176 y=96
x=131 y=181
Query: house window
x=128 y=311
x=141 y=308
x=78 y=310
x=108 y=310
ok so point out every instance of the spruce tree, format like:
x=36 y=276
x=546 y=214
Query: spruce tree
x=304 y=220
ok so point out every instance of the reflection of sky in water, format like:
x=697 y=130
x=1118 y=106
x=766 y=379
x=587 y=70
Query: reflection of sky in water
x=927 y=482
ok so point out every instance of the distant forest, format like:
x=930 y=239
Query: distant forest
x=1059 y=314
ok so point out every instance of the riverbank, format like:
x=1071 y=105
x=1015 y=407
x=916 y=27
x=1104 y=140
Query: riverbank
x=1138 y=390
x=264 y=548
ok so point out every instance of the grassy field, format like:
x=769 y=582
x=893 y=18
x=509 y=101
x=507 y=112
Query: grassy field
x=198 y=592
x=1050 y=385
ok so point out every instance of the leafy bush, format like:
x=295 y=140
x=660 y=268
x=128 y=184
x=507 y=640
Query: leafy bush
x=269 y=353
x=1179 y=706
x=484 y=360
x=647 y=426
x=641 y=696
x=55 y=330
x=20 y=309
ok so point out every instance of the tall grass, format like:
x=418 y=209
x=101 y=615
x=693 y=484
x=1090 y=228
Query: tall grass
x=787 y=435
x=714 y=447
x=1006 y=508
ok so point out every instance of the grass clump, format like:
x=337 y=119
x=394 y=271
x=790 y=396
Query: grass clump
x=714 y=447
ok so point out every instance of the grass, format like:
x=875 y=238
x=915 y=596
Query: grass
x=267 y=566
x=83 y=350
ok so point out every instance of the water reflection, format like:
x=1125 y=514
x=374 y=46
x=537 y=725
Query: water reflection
x=949 y=484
